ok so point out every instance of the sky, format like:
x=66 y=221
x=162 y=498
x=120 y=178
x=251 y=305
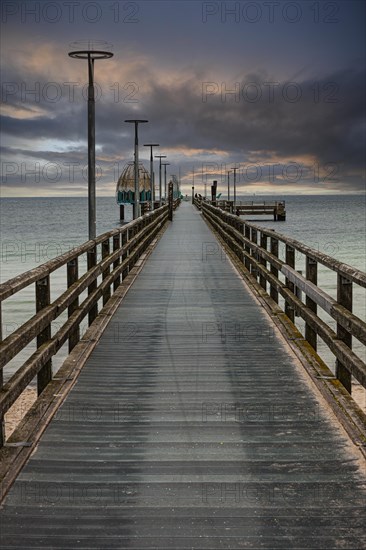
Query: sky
x=274 y=88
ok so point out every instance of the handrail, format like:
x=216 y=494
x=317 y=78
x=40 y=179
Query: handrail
x=128 y=243
x=250 y=243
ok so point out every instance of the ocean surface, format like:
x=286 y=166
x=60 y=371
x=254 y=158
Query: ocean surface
x=34 y=230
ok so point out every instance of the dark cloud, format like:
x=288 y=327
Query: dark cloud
x=293 y=103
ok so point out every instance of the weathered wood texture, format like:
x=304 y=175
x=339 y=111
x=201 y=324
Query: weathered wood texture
x=256 y=257
x=112 y=266
x=178 y=435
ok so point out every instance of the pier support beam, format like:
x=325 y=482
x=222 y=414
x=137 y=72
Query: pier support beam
x=43 y=298
x=344 y=298
x=290 y=261
x=274 y=270
x=72 y=277
x=312 y=276
x=170 y=200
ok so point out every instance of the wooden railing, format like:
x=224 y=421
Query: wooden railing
x=109 y=258
x=258 y=249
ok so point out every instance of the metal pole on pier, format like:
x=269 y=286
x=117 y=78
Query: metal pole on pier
x=136 y=203
x=234 y=170
x=165 y=164
x=151 y=145
x=160 y=192
x=91 y=55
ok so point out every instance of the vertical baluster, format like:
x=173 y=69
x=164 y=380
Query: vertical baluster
x=344 y=298
x=254 y=253
x=247 y=262
x=92 y=262
x=116 y=246
x=72 y=277
x=125 y=237
x=242 y=226
x=106 y=272
x=312 y=276
x=263 y=261
x=43 y=298
x=131 y=234
x=290 y=261
x=274 y=270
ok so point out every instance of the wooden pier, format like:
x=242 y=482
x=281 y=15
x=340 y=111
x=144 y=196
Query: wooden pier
x=192 y=413
x=277 y=209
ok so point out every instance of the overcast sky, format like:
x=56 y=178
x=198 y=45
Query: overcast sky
x=274 y=88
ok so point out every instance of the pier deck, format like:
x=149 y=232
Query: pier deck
x=192 y=425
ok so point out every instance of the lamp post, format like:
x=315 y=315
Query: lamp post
x=151 y=145
x=234 y=170
x=228 y=185
x=165 y=164
x=160 y=157
x=136 y=204
x=91 y=56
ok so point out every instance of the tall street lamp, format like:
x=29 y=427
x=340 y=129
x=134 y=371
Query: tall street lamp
x=160 y=193
x=165 y=164
x=136 y=204
x=228 y=185
x=151 y=145
x=234 y=170
x=91 y=56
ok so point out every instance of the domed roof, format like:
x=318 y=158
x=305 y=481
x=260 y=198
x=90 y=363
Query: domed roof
x=125 y=190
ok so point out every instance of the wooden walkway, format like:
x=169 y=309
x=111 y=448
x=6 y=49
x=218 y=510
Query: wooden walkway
x=192 y=426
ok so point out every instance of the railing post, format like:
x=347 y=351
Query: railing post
x=72 y=277
x=263 y=261
x=247 y=262
x=124 y=256
x=92 y=262
x=131 y=234
x=290 y=261
x=274 y=270
x=2 y=423
x=170 y=200
x=344 y=298
x=254 y=239
x=106 y=272
x=312 y=276
x=116 y=246
x=43 y=298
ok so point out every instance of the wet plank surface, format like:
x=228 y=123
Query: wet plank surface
x=190 y=427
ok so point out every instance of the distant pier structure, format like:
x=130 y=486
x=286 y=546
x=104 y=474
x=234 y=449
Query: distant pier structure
x=247 y=208
x=250 y=208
